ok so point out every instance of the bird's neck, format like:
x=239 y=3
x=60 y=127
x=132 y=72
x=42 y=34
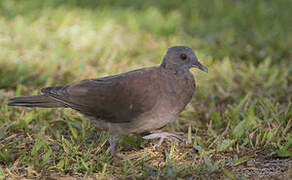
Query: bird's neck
x=176 y=68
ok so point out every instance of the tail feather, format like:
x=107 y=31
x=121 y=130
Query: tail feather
x=35 y=101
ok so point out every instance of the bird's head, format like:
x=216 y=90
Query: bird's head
x=181 y=58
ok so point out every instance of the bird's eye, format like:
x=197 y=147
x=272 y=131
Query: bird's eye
x=183 y=56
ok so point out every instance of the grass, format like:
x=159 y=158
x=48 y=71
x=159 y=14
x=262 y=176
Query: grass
x=241 y=110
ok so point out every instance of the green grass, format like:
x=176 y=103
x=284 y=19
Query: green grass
x=242 y=108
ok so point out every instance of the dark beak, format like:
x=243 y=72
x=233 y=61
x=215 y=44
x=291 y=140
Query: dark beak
x=198 y=65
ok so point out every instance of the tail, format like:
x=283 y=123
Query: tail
x=35 y=101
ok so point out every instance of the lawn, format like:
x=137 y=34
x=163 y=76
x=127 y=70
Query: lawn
x=237 y=126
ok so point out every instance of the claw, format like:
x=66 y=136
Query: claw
x=162 y=136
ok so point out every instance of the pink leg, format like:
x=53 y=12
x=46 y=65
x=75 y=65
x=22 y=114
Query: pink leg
x=162 y=136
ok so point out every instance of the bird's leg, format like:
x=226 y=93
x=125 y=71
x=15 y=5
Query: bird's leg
x=113 y=141
x=162 y=136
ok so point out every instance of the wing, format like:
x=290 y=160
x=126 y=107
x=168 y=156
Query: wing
x=116 y=99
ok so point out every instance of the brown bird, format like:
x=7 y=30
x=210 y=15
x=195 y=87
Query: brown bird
x=138 y=101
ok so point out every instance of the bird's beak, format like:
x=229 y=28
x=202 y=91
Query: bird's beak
x=198 y=65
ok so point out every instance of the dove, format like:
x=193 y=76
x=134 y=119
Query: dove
x=133 y=102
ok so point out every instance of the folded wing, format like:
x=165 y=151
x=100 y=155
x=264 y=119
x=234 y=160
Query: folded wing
x=116 y=99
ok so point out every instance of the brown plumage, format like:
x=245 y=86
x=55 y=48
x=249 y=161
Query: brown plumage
x=133 y=102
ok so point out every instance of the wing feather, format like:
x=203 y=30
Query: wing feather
x=116 y=99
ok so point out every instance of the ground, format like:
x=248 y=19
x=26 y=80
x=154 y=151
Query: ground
x=237 y=126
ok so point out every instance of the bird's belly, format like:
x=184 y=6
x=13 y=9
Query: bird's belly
x=162 y=114
x=151 y=124
x=144 y=123
x=153 y=120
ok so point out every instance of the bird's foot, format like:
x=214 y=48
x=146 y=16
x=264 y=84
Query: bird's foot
x=162 y=136
x=112 y=146
x=113 y=141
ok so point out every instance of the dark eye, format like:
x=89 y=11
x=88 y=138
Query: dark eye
x=183 y=56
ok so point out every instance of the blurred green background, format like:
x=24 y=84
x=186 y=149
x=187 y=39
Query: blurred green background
x=104 y=33
x=241 y=29
x=245 y=44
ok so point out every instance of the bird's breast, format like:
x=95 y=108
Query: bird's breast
x=180 y=90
